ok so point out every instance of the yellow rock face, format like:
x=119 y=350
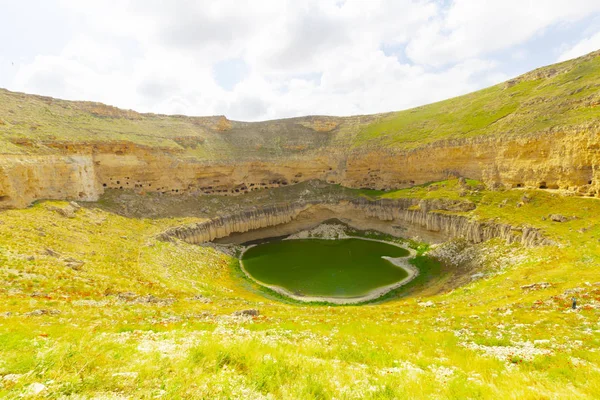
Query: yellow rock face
x=566 y=160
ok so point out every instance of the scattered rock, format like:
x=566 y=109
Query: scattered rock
x=250 y=313
x=426 y=304
x=574 y=290
x=201 y=299
x=558 y=218
x=323 y=231
x=477 y=276
x=73 y=263
x=511 y=354
x=126 y=296
x=35 y=388
x=11 y=378
x=202 y=315
x=37 y=313
x=74 y=205
x=68 y=211
x=89 y=303
x=495 y=186
x=150 y=299
x=536 y=286
x=132 y=297
x=51 y=252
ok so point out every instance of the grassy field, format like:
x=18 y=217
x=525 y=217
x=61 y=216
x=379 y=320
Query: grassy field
x=95 y=307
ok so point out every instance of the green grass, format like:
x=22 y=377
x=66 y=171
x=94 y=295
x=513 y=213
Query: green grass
x=319 y=267
x=530 y=106
x=418 y=343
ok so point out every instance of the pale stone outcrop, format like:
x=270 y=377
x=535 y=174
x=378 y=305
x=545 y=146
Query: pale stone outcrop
x=566 y=159
x=419 y=216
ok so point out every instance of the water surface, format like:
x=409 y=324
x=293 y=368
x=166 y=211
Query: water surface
x=329 y=268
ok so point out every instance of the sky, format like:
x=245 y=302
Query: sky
x=267 y=59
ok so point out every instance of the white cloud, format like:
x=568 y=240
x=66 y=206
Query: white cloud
x=585 y=46
x=474 y=28
x=309 y=57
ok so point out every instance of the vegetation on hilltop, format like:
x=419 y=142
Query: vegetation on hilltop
x=562 y=96
x=558 y=96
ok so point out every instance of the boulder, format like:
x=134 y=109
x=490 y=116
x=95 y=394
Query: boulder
x=250 y=313
x=558 y=218
x=536 y=286
x=51 y=252
x=73 y=263
x=67 y=211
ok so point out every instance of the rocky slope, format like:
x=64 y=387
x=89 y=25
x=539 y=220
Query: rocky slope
x=407 y=217
x=539 y=130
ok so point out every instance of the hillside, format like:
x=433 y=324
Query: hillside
x=95 y=306
x=121 y=232
x=560 y=96
x=526 y=132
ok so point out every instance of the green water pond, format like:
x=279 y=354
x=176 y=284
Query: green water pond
x=328 y=268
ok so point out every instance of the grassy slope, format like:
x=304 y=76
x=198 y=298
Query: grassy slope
x=100 y=345
x=533 y=103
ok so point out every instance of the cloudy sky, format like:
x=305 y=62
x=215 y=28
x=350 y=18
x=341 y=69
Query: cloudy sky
x=264 y=59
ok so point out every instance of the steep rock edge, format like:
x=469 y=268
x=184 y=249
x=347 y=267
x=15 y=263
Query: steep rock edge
x=566 y=159
x=429 y=219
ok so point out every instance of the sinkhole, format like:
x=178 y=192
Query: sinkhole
x=340 y=271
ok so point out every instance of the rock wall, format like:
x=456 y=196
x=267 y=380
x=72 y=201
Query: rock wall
x=24 y=179
x=561 y=159
x=401 y=216
x=553 y=160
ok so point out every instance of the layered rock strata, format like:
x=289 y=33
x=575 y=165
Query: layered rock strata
x=551 y=160
x=430 y=220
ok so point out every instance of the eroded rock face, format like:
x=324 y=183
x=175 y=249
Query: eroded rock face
x=555 y=161
x=561 y=159
x=420 y=217
x=551 y=160
x=24 y=179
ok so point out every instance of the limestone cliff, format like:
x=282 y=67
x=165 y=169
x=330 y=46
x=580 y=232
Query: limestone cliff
x=566 y=160
x=541 y=130
x=408 y=217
